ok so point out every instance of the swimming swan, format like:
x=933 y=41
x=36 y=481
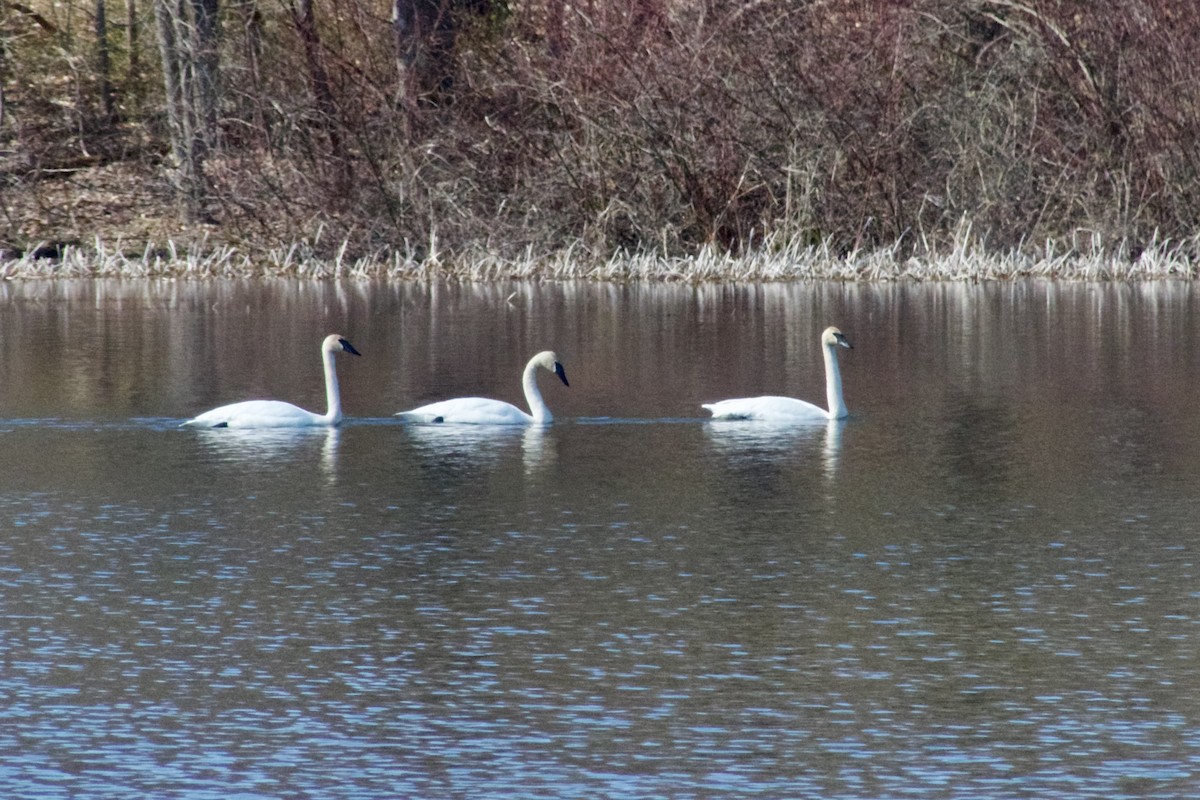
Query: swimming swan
x=276 y=413
x=786 y=409
x=482 y=411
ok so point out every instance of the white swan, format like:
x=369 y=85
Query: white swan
x=482 y=411
x=278 y=414
x=787 y=409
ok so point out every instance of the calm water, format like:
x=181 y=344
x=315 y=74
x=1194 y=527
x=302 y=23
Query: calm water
x=986 y=583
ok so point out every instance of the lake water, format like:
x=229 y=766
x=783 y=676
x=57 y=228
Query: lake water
x=985 y=583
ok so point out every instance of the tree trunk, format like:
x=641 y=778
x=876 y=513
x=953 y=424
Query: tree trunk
x=318 y=78
x=186 y=119
x=172 y=68
x=406 y=36
x=103 y=62
x=424 y=32
x=556 y=26
x=204 y=66
x=134 y=32
x=3 y=70
x=252 y=45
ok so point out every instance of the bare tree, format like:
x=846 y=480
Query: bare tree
x=426 y=33
x=187 y=41
x=250 y=17
x=413 y=23
x=304 y=18
x=103 y=61
x=133 y=32
x=205 y=63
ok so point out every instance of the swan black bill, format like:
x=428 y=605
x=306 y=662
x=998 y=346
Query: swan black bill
x=561 y=373
x=349 y=348
x=842 y=340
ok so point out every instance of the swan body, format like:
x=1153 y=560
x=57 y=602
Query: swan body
x=788 y=409
x=278 y=414
x=767 y=408
x=483 y=411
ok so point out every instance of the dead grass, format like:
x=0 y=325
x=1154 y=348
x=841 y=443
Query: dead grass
x=773 y=261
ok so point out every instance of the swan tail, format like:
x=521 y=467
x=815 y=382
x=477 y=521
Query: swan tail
x=417 y=416
x=719 y=413
x=200 y=422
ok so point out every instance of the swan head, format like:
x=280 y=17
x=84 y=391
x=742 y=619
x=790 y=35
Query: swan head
x=547 y=360
x=336 y=343
x=832 y=337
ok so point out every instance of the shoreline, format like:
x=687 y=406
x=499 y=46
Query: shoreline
x=773 y=262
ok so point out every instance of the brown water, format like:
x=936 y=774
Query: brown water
x=983 y=584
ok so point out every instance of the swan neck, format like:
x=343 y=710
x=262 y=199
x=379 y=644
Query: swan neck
x=833 y=384
x=332 y=395
x=533 y=396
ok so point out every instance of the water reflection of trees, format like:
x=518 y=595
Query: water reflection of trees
x=975 y=446
x=105 y=349
x=155 y=347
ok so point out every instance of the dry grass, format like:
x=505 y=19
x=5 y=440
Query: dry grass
x=1091 y=260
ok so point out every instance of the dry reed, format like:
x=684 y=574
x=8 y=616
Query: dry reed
x=792 y=260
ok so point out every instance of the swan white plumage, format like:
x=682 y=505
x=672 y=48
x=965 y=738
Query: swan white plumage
x=278 y=414
x=787 y=409
x=482 y=411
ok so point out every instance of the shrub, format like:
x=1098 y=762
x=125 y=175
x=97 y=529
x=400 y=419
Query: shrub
x=655 y=127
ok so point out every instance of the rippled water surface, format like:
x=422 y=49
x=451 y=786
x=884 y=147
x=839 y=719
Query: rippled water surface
x=982 y=584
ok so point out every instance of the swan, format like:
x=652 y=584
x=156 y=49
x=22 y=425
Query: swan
x=278 y=414
x=482 y=411
x=787 y=409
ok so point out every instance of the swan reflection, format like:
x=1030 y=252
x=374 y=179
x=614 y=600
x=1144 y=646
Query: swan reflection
x=536 y=449
x=747 y=441
x=831 y=452
x=261 y=446
x=482 y=446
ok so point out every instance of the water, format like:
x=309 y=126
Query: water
x=983 y=584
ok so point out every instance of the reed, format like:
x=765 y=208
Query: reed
x=774 y=259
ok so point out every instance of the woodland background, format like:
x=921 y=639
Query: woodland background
x=599 y=128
